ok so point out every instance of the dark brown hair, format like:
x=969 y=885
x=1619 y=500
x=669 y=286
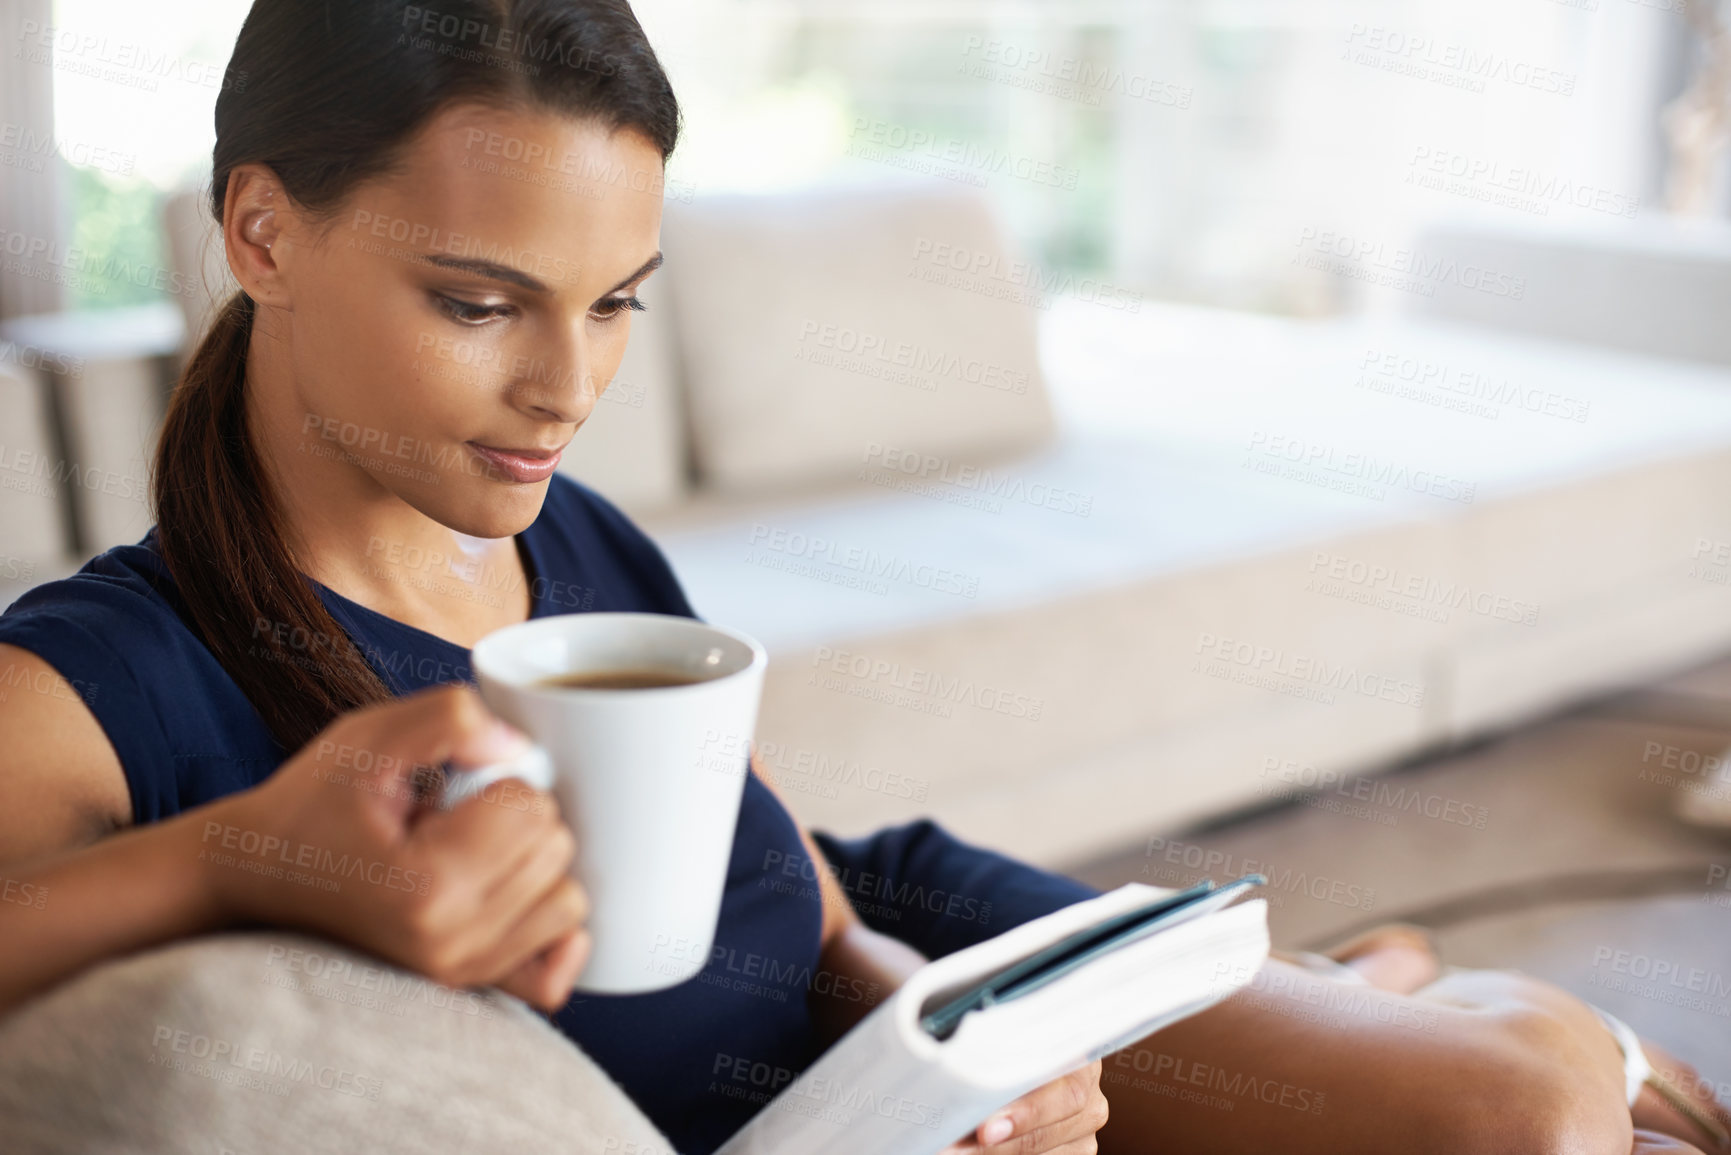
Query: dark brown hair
x=326 y=93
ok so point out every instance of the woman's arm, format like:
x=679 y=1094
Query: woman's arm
x=475 y=896
x=1060 y=1118
x=59 y=777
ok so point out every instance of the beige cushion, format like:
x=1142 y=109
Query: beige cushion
x=632 y=448
x=248 y=1044
x=814 y=326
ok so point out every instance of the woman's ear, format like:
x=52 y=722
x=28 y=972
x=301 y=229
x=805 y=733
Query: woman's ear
x=256 y=217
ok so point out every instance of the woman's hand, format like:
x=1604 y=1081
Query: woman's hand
x=1057 y=1119
x=336 y=842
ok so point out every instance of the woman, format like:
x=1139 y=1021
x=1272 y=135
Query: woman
x=423 y=328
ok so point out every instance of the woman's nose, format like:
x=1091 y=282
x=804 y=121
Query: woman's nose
x=563 y=393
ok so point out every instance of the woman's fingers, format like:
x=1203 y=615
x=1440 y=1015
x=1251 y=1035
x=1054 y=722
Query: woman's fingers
x=545 y=981
x=1059 y=1117
x=487 y=885
x=561 y=911
x=396 y=740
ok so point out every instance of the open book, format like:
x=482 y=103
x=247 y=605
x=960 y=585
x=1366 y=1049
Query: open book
x=976 y=1030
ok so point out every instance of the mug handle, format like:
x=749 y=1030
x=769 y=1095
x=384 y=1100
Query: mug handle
x=533 y=766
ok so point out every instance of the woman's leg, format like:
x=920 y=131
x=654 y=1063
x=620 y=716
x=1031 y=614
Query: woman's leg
x=1483 y=1062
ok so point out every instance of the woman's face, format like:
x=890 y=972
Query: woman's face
x=451 y=330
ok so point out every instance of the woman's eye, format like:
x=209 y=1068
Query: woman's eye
x=611 y=307
x=468 y=312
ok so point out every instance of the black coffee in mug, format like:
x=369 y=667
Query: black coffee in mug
x=647 y=678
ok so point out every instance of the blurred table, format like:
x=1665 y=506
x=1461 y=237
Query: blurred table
x=105 y=376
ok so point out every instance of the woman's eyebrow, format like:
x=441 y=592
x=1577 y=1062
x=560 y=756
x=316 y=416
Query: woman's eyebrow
x=506 y=273
x=490 y=269
x=648 y=267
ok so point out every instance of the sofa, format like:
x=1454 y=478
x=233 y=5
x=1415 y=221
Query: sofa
x=1064 y=566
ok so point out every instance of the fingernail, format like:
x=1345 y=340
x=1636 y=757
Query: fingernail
x=997 y=1130
x=506 y=740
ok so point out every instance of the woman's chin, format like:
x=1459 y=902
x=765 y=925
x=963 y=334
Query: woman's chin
x=485 y=509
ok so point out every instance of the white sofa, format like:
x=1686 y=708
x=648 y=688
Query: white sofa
x=1034 y=558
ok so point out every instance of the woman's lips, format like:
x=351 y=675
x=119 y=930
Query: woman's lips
x=524 y=466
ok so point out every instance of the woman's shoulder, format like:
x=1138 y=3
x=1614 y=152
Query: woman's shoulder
x=120 y=595
x=115 y=633
x=583 y=536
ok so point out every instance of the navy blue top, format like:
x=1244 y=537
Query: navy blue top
x=699 y=1059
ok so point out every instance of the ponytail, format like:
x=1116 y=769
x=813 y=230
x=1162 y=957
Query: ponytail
x=220 y=530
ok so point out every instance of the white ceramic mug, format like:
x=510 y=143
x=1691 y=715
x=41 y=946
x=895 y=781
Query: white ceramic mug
x=650 y=780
